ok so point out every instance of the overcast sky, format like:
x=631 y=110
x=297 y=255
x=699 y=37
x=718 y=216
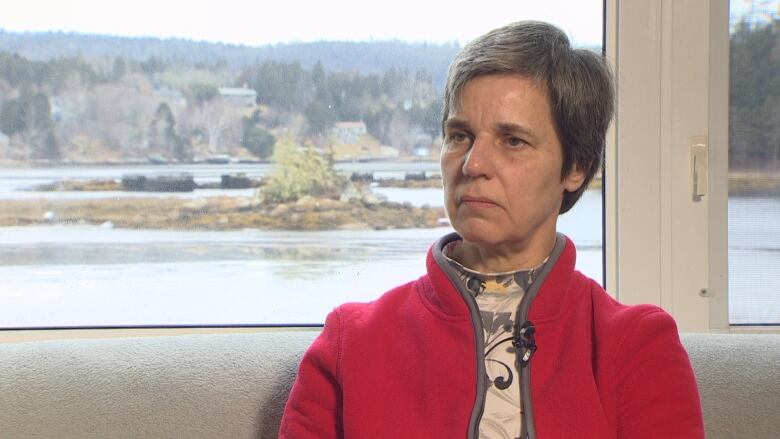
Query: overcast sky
x=263 y=22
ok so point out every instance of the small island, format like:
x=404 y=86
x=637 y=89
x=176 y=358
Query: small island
x=223 y=213
x=304 y=192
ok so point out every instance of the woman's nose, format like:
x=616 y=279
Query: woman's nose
x=479 y=160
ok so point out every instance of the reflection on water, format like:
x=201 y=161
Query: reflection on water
x=66 y=276
x=131 y=277
x=67 y=245
x=149 y=277
x=61 y=275
x=754 y=260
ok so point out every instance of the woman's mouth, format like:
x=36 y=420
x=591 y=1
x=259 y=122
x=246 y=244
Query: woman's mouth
x=477 y=202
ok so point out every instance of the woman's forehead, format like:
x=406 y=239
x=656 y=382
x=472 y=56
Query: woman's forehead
x=501 y=85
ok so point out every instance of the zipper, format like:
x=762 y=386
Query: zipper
x=523 y=339
x=479 y=338
x=524 y=335
x=524 y=342
x=482 y=377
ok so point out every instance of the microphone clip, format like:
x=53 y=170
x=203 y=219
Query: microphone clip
x=523 y=340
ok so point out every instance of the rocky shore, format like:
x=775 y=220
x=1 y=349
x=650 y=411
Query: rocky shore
x=115 y=185
x=754 y=184
x=222 y=213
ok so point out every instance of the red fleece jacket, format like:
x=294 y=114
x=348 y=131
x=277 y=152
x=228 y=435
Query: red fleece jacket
x=404 y=366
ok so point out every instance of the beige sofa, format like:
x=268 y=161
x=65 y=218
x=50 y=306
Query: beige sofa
x=235 y=386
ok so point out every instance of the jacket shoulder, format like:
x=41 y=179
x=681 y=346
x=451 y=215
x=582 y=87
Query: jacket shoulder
x=386 y=307
x=624 y=329
x=656 y=392
x=615 y=316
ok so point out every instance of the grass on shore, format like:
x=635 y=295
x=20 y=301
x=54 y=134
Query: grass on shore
x=219 y=213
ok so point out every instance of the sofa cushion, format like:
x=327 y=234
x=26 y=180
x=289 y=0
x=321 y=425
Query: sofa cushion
x=194 y=386
x=739 y=383
x=235 y=386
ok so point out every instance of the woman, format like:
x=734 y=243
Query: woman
x=502 y=338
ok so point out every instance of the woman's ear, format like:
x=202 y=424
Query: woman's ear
x=574 y=179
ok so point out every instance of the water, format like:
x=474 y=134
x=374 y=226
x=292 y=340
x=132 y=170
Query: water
x=15 y=182
x=754 y=260
x=68 y=276
x=56 y=276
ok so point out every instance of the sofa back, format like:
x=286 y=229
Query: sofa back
x=193 y=386
x=235 y=386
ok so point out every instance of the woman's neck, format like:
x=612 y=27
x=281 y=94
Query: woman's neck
x=489 y=259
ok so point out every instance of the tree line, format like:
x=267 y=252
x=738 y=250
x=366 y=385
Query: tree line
x=129 y=109
x=51 y=107
x=325 y=97
x=754 y=95
x=353 y=56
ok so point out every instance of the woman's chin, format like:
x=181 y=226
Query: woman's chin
x=479 y=234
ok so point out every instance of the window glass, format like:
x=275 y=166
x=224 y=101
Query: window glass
x=168 y=165
x=754 y=163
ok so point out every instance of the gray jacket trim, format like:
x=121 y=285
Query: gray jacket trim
x=476 y=321
x=529 y=426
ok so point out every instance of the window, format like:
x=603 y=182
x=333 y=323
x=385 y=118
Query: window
x=754 y=163
x=128 y=160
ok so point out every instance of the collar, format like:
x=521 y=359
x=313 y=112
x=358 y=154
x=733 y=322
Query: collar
x=440 y=292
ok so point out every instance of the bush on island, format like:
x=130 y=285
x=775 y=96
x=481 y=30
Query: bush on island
x=301 y=171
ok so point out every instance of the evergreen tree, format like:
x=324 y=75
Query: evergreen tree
x=50 y=148
x=256 y=139
x=13 y=117
x=162 y=134
x=320 y=117
x=202 y=93
x=119 y=68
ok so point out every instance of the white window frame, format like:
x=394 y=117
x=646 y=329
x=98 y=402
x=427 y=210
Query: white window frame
x=671 y=63
x=663 y=247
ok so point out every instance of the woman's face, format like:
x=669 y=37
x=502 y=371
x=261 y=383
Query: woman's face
x=501 y=163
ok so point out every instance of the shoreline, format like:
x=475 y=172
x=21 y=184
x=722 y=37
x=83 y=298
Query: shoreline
x=740 y=182
x=44 y=164
x=221 y=213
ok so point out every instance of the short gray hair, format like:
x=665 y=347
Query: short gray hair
x=578 y=83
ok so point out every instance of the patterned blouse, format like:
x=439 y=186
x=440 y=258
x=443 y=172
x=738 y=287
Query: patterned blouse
x=498 y=296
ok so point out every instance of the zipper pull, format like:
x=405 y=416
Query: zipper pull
x=525 y=343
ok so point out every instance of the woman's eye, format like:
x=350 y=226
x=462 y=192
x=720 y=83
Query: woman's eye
x=458 y=137
x=515 y=142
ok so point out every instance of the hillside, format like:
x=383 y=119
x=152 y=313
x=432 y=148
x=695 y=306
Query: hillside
x=365 y=57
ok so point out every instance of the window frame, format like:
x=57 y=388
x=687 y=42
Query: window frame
x=678 y=53
x=680 y=62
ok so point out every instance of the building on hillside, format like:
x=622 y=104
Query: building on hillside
x=238 y=97
x=349 y=132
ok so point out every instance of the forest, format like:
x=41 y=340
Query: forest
x=754 y=95
x=78 y=98
x=101 y=108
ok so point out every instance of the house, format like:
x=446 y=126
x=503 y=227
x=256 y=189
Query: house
x=238 y=97
x=349 y=132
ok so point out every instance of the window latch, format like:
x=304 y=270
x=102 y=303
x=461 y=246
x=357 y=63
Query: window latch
x=699 y=166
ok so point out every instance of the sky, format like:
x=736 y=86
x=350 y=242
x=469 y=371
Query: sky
x=263 y=22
